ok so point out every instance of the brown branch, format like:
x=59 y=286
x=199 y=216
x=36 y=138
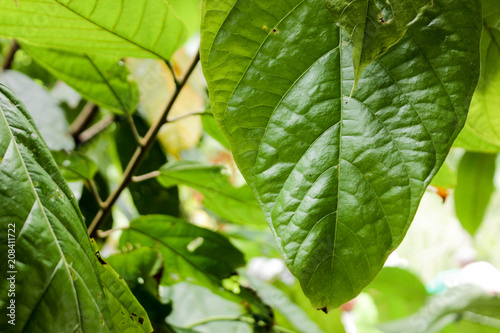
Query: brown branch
x=81 y=122
x=96 y=129
x=9 y=58
x=140 y=153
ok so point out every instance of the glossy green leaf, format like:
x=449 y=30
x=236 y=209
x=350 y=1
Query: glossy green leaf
x=237 y=205
x=135 y=28
x=397 y=293
x=339 y=180
x=373 y=27
x=75 y=166
x=61 y=285
x=482 y=130
x=191 y=253
x=102 y=79
x=44 y=108
x=474 y=189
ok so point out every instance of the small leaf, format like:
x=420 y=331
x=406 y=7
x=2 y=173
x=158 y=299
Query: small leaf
x=75 y=166
x=474 y=189
x=373 y=26
x=61 y=285
x=102 y=79
x=237 y=205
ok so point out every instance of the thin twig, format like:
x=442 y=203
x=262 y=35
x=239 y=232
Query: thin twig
x=147 y=176
x=95 y=192
x=81 y=122
x=221 y=318
x=103 y=234
x=96 y=129
x=194 y=113
x=9 y=58
x=172 y=70
x=135 y=132
x=140 y=153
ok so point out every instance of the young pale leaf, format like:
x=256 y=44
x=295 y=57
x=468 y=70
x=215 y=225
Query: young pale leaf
x=474 y=189
x=339 y=180
x=135 y=28
x=99 y=78
x=61 y=285
x=237 y=205
x=482 y=130
x=373 y=29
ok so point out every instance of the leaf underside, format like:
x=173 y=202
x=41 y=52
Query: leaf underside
x=339 y=180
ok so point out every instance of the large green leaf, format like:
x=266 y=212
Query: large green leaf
x=373 y=29
x=482 y=130
x=99 y=78
x=233 y=204
x=339 y=180
x=136 y=28
x=474 y=189
x=61 y=284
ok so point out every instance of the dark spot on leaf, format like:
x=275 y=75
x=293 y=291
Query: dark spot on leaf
x=275 y=31
x=325 y=310
x=133 y=314
x=141 y=320
x=132 y=318
x=123 y=314
x=98 y=255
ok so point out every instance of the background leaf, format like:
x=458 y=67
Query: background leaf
x=145 y=28
x=339 y=179
x=44 y=109
x=474 y=189
x=237 y=205
x=59 y=278
x=102 y=79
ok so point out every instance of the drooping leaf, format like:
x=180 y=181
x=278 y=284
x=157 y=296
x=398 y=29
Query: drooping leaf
x=397 y=293
x=60 y=283
x=339 y=183
x=75 y=166
x=102 y=79
x=44 y=109
x=144 y=28
x=373 y=27
x=237 y=205
x=482 y=129
x=191 y=253
x=474 y=189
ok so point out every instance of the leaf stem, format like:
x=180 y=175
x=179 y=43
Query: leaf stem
x=135 y=132
x=9 y=58
x=95 y=193
x=140 y=152
x=81 y=122
x=147 y=176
